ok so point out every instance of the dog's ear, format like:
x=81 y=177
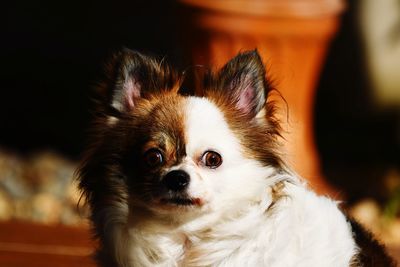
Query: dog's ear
x=242 y=83
x=130 y=76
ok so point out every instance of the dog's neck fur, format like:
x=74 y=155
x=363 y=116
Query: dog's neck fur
x=287 y=230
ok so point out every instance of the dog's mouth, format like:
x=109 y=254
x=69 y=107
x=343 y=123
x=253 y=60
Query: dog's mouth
x=181 y=201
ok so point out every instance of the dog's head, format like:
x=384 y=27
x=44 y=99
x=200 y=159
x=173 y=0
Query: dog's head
x=159 y=151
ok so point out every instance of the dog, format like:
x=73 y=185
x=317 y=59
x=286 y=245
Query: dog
x=199 y=180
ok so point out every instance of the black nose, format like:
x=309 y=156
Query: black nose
x=176 y=180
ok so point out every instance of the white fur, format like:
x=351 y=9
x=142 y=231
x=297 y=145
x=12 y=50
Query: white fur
x=234 y=226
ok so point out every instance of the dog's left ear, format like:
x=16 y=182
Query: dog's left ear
x=243 y=84
x=131 y=76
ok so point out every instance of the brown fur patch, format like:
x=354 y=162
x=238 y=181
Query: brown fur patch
x=112 y=172
x=259 y=135
x=260 y=141
x=372 y=253
x=164 y=126
x=276 y=194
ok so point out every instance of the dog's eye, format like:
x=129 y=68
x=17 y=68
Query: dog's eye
x=153 y=157
x=212 y=159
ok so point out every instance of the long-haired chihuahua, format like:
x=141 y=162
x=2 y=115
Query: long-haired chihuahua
x=199 y=180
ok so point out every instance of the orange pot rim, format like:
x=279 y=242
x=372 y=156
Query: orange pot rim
x=271 y=8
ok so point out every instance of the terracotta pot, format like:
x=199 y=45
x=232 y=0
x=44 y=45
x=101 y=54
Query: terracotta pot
x=292 y=37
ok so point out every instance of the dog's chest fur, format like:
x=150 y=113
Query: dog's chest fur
x=299 y=230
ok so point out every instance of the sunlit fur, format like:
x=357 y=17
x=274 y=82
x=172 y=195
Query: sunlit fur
x=252 y=210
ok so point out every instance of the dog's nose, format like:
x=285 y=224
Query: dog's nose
x=176 y=180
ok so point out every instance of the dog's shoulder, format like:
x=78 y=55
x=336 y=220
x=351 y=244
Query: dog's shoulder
x=371 y=252
x=322 y=213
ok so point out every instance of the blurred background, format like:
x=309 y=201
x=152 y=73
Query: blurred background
x=337 y=64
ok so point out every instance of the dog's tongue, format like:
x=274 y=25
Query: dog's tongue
x=197 y=201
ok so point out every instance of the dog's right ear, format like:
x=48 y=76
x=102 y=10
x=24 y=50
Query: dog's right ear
x=130 y=76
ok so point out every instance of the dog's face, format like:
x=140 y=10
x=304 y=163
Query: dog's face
x=166 y=153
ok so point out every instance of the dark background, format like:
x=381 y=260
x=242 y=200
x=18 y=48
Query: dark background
x=359 y=142
x=52 y=54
